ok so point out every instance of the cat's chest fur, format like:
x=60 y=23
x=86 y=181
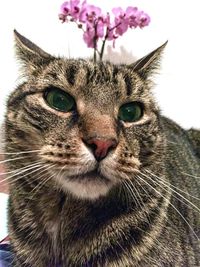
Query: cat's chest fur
x=98 y=234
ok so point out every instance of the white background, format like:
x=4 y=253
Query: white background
x=177 y=90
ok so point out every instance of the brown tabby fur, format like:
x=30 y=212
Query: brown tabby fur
x=137 y=207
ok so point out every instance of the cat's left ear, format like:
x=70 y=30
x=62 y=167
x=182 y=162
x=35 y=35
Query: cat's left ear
x=30 y=54
x=149 y=64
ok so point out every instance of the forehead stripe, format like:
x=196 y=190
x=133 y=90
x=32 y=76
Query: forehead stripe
x=129 y=84
x=71 y=74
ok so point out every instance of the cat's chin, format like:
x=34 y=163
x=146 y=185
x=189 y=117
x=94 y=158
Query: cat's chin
x=86 y=187
x=89 y=190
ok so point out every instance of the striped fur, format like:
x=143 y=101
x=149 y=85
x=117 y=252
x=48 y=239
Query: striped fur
x=141 y=206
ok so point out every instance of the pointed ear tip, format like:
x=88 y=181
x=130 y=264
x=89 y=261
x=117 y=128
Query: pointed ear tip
x=164 y=44
x=15 y=32
x=161 y=48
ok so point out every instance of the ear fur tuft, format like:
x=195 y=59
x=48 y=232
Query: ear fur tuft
x=150 y=63
x=30 y=54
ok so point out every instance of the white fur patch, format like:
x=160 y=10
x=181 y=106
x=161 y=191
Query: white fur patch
x=86 y=189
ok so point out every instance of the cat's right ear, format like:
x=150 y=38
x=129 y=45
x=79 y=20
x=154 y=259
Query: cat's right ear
x=149 y=64
x=30 y=54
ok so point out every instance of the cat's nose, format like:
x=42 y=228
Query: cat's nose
x=101 y=147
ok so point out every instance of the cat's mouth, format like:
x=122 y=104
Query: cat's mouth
x=89 y=176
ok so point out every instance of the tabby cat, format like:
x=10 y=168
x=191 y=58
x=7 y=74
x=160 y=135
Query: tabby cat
x=98 y=177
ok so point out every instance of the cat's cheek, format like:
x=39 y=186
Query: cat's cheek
x=76 y=160
x=122 y=163
x=117 y=171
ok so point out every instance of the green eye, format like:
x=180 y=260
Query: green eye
x=60 y=100
x=131 y=112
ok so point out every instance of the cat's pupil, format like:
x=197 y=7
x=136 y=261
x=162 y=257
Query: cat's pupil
x=131 y=112
x=60 y=100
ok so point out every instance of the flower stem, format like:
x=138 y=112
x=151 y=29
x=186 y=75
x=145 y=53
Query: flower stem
x=95 y=42
x=102 y=49
x=95 y=55
x=104 y=41
x=103 y=45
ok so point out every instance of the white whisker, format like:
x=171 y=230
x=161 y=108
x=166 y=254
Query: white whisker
x=8 y=160
x=37 y=188
x=169 y=203
x=193 y=176
x=20 y=172
x=14 y=171
x=136 y=191
x=21 y=152
x=170 y=187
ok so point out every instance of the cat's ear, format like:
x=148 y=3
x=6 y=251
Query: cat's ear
x=30 y=54
x=150 y=63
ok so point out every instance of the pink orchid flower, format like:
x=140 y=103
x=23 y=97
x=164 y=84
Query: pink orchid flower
x=98 y=26
x=89 y=13
x=70 y=8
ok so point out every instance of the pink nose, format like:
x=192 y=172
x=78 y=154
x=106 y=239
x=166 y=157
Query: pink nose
x=101 y=147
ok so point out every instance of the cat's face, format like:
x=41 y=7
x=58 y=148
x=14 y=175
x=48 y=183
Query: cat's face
x=94 y=126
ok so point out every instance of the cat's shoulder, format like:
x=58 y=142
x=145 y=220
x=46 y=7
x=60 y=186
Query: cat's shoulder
x=194 y=136
x=175 y=133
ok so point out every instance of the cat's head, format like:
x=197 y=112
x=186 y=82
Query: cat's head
x=90 y=126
